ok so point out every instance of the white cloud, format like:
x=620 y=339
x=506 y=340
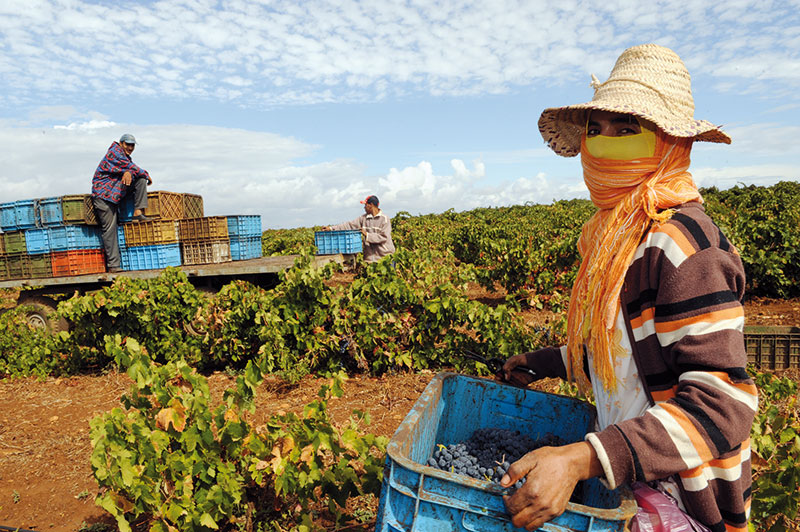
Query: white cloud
x=91 y=124
x=355 y=51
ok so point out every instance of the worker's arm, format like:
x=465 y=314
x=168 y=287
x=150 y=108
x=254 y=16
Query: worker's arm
x=352 y=224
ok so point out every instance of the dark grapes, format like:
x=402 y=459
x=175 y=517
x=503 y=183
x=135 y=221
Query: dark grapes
x=488 y=453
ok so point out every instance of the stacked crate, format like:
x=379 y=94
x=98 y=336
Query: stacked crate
x=60 y=236
x=38 y=242
x=78 y=209
x=204 y=240
x=150 y=245
x=3 y=260
x=76 y=250
x=244 y=232
x=155 y=243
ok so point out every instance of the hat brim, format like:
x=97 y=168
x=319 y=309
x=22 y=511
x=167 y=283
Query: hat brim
x=562 y=127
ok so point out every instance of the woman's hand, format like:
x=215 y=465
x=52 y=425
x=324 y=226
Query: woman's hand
x=507 y=374
x=551 y=475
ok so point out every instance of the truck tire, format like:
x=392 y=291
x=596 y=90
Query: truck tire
x=41 y=312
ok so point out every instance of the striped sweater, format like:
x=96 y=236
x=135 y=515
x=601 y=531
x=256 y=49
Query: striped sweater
x=682 y=304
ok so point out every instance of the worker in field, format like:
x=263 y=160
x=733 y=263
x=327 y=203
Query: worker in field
x=117 y=176
x=375 y=227
x=655 y=318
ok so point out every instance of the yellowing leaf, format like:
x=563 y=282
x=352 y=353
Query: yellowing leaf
x=122 y=503
x=176 y=415
x=283 y=446
x=307 y=455
x=278 y=465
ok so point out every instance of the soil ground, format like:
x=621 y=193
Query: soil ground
x=46 y=481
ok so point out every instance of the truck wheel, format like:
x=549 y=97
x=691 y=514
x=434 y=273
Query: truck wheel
x=41 y=313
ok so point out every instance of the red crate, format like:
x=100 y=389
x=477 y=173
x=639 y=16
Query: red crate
x=78 y=262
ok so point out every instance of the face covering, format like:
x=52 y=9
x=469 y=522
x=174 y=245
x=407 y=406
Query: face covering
x=631 y=196
x=625 y=148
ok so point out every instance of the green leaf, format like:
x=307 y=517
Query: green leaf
x=208 y=521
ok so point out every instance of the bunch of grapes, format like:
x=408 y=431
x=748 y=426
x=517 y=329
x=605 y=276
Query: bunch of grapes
x=488 y=453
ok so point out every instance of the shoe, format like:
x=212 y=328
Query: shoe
x=114 y=270
x=141 y=218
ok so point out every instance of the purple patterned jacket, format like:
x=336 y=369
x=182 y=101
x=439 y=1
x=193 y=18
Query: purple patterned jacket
x=107 y=180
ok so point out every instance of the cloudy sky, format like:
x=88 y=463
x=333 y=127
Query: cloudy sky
x=296 y=110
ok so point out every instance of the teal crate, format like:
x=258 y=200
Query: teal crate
x=245 y=247
x=333 y=242
x=25 y=211
x=150 y=257
x=244 y=225
x=125 y=208
x=50 y=212
x=417 y=497
x=37 y=241
x=8 y=217
x=74 y=237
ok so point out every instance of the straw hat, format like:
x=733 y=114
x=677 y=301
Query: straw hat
x=648 y=81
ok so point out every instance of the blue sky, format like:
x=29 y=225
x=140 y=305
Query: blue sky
x=297 y=110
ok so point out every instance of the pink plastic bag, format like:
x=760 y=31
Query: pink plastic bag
x=659 y=513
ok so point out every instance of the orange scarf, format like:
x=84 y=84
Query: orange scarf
x=631 y=195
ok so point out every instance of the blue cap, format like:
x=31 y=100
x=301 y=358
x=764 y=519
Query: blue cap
x=127 y=138
x=372 y=200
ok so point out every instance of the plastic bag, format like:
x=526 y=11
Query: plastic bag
x=659 y=513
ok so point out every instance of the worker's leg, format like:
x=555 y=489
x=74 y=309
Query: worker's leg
x=139 y=195
x=107 y=216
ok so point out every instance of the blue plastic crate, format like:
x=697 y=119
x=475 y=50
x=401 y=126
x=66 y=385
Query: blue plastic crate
x=245 y=247
x=126 y=208
x=73 y=237
x=244 y=225
x=25 y=213
x=37 y=241
x=333 y=242
x=150 y=257
x=120 y=236
x=50 y=211
x=418 y=497
x=8 y=217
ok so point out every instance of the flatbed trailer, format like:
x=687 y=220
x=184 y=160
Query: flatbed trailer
x=38 y=294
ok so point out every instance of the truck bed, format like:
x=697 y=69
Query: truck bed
x=240 y=269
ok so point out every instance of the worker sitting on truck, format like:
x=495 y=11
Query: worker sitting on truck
x=115 y=177
x=375 y=227
x=655 y=318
